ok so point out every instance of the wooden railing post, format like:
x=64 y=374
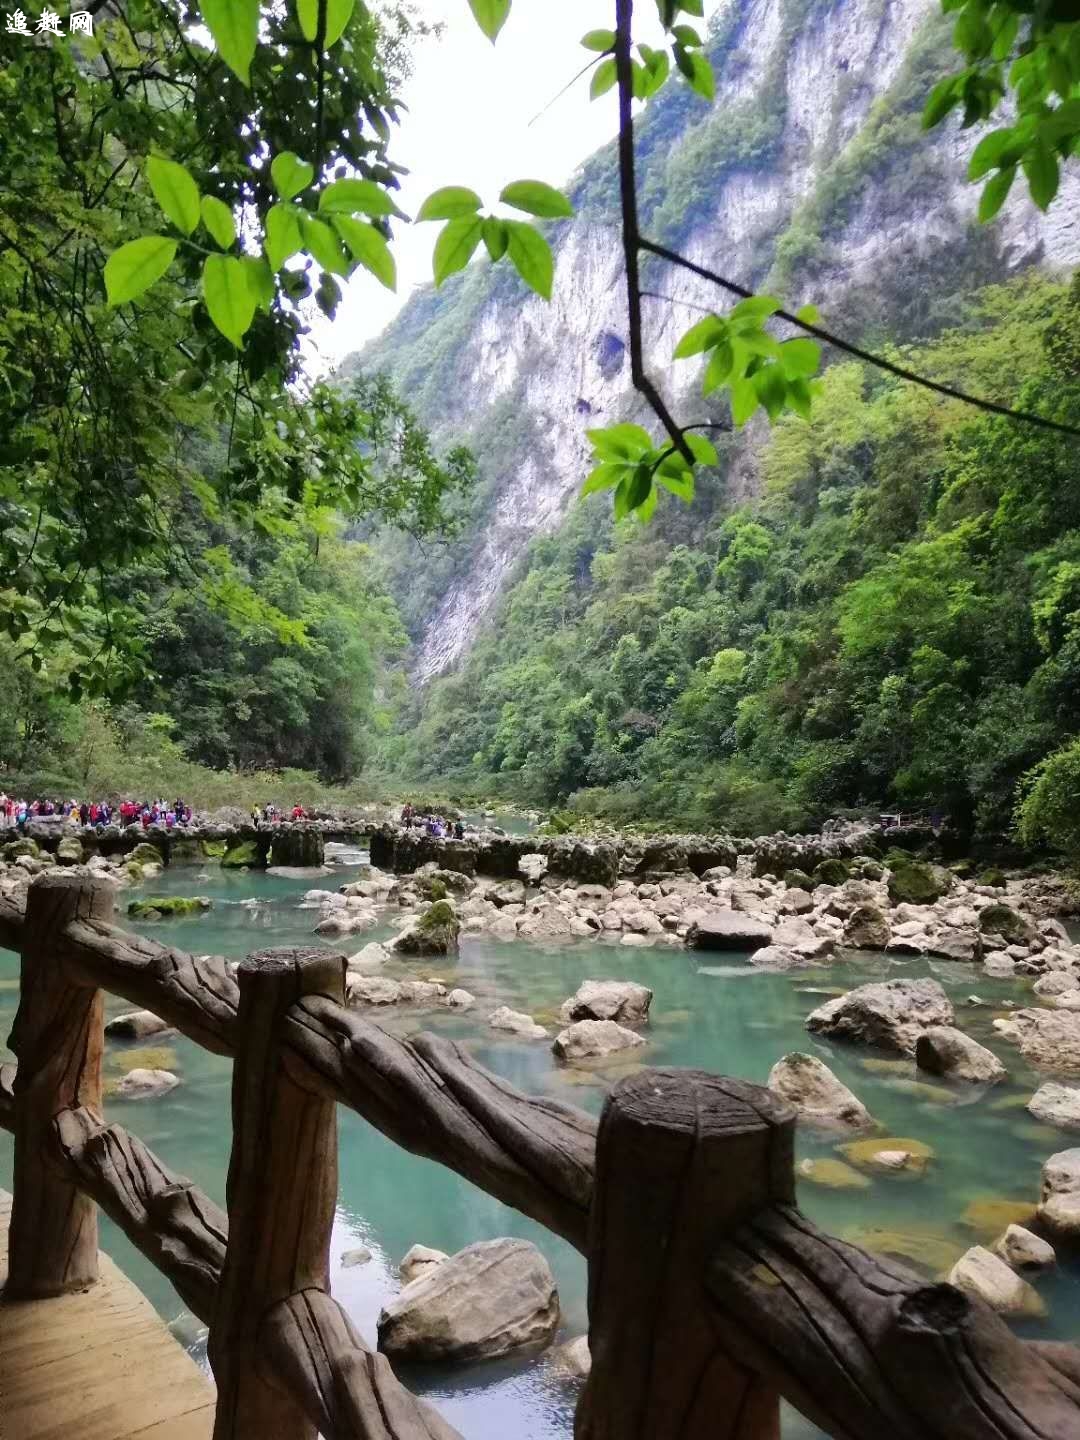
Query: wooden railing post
x=58 y=1036
x=682 y=1157
x=281 y=1192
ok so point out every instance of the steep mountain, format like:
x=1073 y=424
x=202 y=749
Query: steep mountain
x=810 y=174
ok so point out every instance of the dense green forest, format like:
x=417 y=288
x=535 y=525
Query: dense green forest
x=895 y=620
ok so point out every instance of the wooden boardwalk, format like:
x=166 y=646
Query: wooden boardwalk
x=97 y=1365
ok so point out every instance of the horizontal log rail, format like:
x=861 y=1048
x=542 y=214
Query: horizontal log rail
x=719 y=1295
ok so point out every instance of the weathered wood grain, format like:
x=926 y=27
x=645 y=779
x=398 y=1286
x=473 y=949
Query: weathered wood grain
x=281 y=1192
x=681 y=1157
x=58 y=1036
x=308 y=1347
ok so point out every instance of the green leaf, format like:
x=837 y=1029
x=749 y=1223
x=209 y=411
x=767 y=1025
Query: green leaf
x=798 y=397
x=290 y=174
x=942 y=98
x=324 y=245
x=744 y=400
x=490 y=15
x=604 y=77
x=347 y=197
x=641 y=484
x=175 y=191
x=703 y=450
x=800 y=358
x=496 y=237
x=283 y=238
x=136 y=266
x=228 y=295
x=368 y=247
x=808 y=314
x=603 y=477
x=260 y=280
x=995 y=192
x=756 y=307
x=772 y=389
x=536 y=198
x=599 y=40
x=701 y=75
x=234 y=24
x=718 y=371
x=988 y=153
x=679 y=479
x=620 y=442
x=1041 y=168
x=530 y=254
x=218 y=219
x=449 y=203
x=702 y=336
x=338 y=15
x=647 y=509
x=455 y=245
x=687 y=36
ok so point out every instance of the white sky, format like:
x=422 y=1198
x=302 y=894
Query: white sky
x=470 y=104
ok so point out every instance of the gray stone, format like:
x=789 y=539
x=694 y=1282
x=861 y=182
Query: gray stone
x=371 y=990
x=513 y=1020
x=944 y=1050
x=729 y=930
x=1059 y=1208
x=144 y=1084
x=820 y=1098
x=890 y=1014
x=867 y=929
x=1049 y=1039
x=1056 y=1104
x=135 y=1025
x=594 y=1040
x=573 y=1358
x=1022 y=1250
x=418 y=1261
x=351 y=1258
x=982 y=1273
x=620 y=1000
x=460 y=999
x=488 y=1300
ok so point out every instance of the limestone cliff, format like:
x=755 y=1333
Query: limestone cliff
x=809 y=174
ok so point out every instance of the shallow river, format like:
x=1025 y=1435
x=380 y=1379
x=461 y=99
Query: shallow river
x=722 y=1016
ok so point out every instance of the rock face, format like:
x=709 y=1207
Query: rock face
x=729 y=930
x=434 y=933
x=135 y=1025
x=944 y=1050
x=1059 y=1209
x=1049 y=1039
x=594 y=1040
x=487 y=1300
x=820 y=1098
x=619 y=1000
x=890 y=1014
x=1058 y=1105
x=980 y=1272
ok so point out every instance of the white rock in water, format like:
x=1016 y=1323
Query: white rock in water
x=488 y=1300
x=1022 y=1250
x=980 y=1272
x=890 y=1014
x=369 y=958
x=594 y=1039
x=1059 y=1210
x=1056 y=1104
x=142 y=1084
x=350 y=1258
x=460 y=999
x=944 y=1050
x=371 y=990
x=506 y=1019
x=418 y=1261
x=620 y=1000
x=820 y=1098
x=573 y=1358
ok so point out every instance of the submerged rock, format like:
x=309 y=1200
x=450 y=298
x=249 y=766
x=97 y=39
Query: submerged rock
x=982 y=1273
x=832 y=1174
x=944 y=1050
x=165 y=907
x=593 y=1040
x=351 y=1258
x=820 y=1098
x=891 y=1014
x=488 y=1300
x=143 y=1084
x=619 y=1000
x=890 y=1156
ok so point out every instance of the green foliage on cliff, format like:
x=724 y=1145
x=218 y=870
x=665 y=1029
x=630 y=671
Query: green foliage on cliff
x=894 y=621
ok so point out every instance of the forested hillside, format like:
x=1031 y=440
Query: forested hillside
x=895 y=618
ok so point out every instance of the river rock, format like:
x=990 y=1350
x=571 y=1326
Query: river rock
x=775 y=957
x=135 y=1025
x=1022 y=1250
x=890 y=1014
x=944 y=1050
x=513 y=1020
x=999 y=964
x=1059 y=1208
x=488 y=1300
x=363 y=990
x=434 y=933
x=544 y=922
x=867 y=929
x=418 y=1261
x=461 y=999
x=729 y=930
x=820 y=1098
x=594 y=1040
x=144 y=1084
x=619 y=1000
x=1056 y=1104
x=981 y=1273
x=423 y=992
x=352 y=1258
x=892 y=1156
x=1049 y=1039
x=371 y=957
x=573 y=1358
x=69 y=851
x=1007 y=924
x=533 y=868
x=914 y=883
x=508 y=892
x=833 y=1174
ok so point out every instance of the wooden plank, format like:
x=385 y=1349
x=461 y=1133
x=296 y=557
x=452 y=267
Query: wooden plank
x=98 y=1363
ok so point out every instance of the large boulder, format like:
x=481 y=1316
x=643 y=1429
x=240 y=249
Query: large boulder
x=729 y=930
x=1056 y=1104
x=913 y=883
x=818 y=1096
x=1048 y=1039
x=981 y=1273
x=944 y=1050
x=489 y=1299
x=596 y=863
x=594 y=1040
x=1007 y=924
x=867 y=929
x=299 y=846
x=891 y=1014
x=620 y=1000
x=1059 y=1208
x=434 y=933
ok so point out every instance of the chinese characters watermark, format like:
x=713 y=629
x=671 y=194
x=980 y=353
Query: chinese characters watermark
x=80 y=22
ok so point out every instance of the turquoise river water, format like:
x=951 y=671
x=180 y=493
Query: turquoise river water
x=712 y=1012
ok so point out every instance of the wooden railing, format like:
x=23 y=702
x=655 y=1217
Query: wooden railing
x=710 y=1295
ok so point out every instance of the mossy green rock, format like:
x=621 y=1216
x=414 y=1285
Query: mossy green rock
x=146 y=854
x=1004 y=921
x=186 y=850
x=243 y=853
x=69 y=851
x=913 y=883
x=995 y=879
x=163 y=907
x=798 y=880
x=16 y=848
x=831 y=872
x=435 y=933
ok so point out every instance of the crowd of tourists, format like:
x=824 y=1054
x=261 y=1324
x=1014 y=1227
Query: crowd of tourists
x=15 y=813
x=273 y=815
x=434 y=825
